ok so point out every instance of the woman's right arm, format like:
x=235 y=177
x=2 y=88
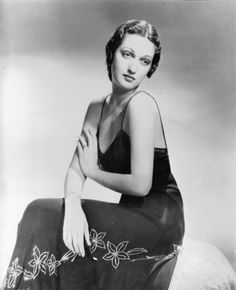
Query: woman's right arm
x=74 y=180
x=75 y=227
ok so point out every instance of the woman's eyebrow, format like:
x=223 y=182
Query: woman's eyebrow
x=126 y=47
x=147 y=55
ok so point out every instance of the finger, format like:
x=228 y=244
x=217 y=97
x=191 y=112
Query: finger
x=82 y=141
x=76 y=245
x=83 y=134
x=80 y=148
x=93 y=137
x=81 y=246
x=90 y=140
x=65 y=239
x=86 y=235
x=69 y=243
x=88 y=137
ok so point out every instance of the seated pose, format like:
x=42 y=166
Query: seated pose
x=72 y=243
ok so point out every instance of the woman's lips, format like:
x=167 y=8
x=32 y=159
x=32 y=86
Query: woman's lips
x=129 y=78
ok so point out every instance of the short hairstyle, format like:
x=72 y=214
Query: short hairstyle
x=140 y=27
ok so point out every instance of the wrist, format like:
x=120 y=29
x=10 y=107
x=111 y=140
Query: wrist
x=73 y=202
x=72 y=195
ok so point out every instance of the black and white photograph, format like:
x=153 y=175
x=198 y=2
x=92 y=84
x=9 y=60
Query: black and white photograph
x=117 y=145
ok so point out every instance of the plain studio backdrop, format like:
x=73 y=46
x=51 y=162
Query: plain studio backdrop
x=52 y=64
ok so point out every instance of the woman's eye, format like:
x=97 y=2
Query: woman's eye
x=146 y=61
x=126 y=54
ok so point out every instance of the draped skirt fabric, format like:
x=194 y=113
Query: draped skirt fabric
x=129 y=249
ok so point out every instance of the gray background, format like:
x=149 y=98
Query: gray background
x=52 y=63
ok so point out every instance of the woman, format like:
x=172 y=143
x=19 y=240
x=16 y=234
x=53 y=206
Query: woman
x=83 y=244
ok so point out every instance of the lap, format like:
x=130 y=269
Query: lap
x=118 y=223
x=126 y=242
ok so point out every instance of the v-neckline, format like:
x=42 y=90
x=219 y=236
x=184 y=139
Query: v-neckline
x=158 y=149
x=119 y=131
x=113 y=141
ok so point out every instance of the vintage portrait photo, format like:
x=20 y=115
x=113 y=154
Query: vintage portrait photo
x=118 y=145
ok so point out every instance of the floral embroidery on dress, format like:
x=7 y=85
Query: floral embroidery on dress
x=115 y=254
x=53 y=264
x=13 y=272
x=96 y=240
x=39 y=261
x=47 y=263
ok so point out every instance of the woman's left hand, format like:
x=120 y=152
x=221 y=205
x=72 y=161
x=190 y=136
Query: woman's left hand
x=88 y=152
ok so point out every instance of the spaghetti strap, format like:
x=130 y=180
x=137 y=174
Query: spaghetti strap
x=103 y=104
x=121 y=126
x=162 y=127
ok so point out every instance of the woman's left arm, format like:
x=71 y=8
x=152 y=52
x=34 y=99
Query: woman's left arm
x=140 y=123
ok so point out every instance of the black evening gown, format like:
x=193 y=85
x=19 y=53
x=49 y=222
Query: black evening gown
x=134 y=244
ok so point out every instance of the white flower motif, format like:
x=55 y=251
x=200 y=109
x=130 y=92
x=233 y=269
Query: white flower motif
x=115 y=254
x=13 y=272
x=39 y=261
x=96 y=240
x=52 y=265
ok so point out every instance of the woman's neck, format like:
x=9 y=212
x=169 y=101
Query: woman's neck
x=118 y=96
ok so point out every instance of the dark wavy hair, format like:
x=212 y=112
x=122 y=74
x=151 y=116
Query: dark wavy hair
x=140 y=27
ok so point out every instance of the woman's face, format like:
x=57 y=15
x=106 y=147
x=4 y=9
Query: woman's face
x=132 y=61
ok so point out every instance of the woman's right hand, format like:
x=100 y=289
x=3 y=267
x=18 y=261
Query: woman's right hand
x=75 y=227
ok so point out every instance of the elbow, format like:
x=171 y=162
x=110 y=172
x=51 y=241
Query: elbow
x=143 y=188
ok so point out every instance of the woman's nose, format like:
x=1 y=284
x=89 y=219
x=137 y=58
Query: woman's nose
x=132 y=67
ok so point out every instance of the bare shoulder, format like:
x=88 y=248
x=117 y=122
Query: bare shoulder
x=142 y=111
x=142 y=102
x=96 y=104
x=93 y=113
